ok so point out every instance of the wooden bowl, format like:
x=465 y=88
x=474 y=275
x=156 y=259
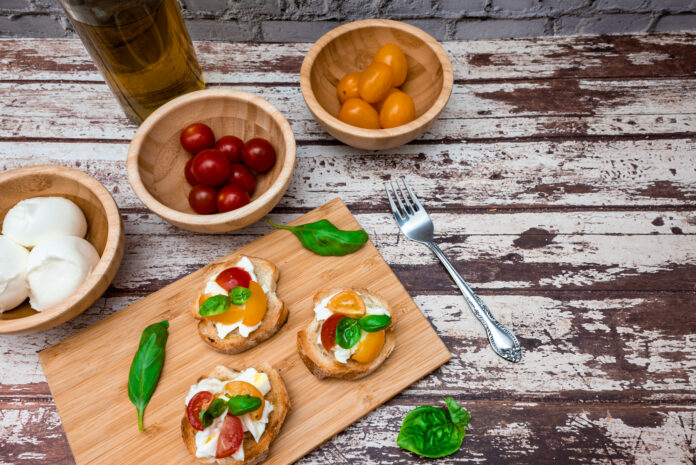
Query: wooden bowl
x=104 y=232
x=350 y=48
x=156 y=159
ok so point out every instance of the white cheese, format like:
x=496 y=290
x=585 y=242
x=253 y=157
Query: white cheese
x=35 y=220
x=56 y=268
x=13 y=273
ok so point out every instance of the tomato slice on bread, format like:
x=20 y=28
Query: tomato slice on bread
x=196 y=405
x=233 y=277
x=328 y=331
x=231 y=436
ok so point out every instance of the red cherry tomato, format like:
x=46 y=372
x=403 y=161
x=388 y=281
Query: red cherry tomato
x=188 y=173
x=196 y=405
x=328 y=330
x=243 y=176
x=231 y=436
x=203 y=199
x=231 y=197
x=211 y=167
x=197 y=137
x=233 y=277
x=258 y=154
x=232 y=147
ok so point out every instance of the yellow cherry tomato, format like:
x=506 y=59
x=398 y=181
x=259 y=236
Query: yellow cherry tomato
x=359 y=113
x=369 y=348
x=348 y=303
x=378 y=105
x=398 y=109
x=392 y=56
x=347 y=87
x=251 y=312
x=240 y=388
x=375 y=82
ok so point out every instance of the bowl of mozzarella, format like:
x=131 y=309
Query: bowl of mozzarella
x=61 y=245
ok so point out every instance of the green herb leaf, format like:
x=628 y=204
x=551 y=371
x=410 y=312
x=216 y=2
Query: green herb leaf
x=239 y=405
x=214 y=305
x=239 y=295
x=213 y=411
x=348 y=332
x=147 y=367
x=372 y=323
x=433 y=432
x=324 y=238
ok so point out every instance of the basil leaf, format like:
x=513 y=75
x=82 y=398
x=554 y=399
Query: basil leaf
x=433 y=432
x=146 y=367
x=348 y=332
x=323 y=238
x=372 y=323
x=239 y=405
x=213 y=411
x=239 y=295
x=214 y=305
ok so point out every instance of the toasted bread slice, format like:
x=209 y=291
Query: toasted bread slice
x=253 y=452
x=322 y=363
x=276 y=313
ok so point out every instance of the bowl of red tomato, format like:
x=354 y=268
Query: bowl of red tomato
x=213 y=160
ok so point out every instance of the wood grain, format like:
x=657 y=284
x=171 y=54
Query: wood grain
x=79 y=367
x=560 y=178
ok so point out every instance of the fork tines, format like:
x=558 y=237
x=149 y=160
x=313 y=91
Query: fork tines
x=409 y=204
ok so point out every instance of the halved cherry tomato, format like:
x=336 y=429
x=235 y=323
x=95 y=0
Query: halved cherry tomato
x=328 y=331
x=233 y=277
x=398 y=109
x=202 y=199
x=369 y=348
x=231 y=197
x=231 y=437
x=347 y=303
x=378 y=105
x=255 y=307
x=196 y=405
x=211 y=167
x=347 y=87
x=231 y=146
x=359 y=113
x=392 y=56
x=375 y=82
x=233 y=314
x=240 y=388
x=243 y=176
x=197 y=137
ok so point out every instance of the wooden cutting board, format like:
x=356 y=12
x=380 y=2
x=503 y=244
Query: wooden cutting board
x=88 y=372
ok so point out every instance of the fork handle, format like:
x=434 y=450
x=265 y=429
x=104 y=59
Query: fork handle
x=502 y=340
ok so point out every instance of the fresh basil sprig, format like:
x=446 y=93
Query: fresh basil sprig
x=323 y=238
x=372 y=323
x=221 y=303
x=147 y=367
x=239 y=405
x=434 y=432
x=213 y=411
x=349 y=330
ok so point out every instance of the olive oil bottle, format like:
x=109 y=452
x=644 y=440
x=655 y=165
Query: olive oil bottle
x=142 y=49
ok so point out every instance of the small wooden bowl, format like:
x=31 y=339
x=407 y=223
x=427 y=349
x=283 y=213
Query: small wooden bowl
x=156 y=159
x=104 y=231
x=351 y=47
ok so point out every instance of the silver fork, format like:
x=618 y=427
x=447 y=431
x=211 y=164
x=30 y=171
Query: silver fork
x=416 y=224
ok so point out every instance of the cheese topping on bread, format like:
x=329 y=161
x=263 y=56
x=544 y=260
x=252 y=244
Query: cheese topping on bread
x=206 y=440
x=322 y=312
x=213 y=288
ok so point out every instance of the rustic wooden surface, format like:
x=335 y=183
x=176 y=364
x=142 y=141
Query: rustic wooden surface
x=562 y=182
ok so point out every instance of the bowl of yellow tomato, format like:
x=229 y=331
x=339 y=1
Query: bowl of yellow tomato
x=376 y=84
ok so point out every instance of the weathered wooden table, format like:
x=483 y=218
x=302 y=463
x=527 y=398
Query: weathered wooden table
x=562 y=181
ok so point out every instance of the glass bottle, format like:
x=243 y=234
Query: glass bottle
x=142 y=49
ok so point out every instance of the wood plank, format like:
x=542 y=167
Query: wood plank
x=447 y=177
x=499 y=432
x=579 y=346
x=636 y=55
x=79 y=367
x=563 y=108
